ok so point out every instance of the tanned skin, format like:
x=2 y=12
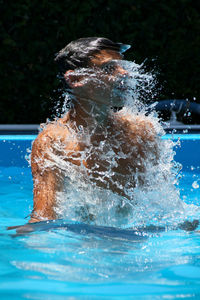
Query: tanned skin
x=132 y=133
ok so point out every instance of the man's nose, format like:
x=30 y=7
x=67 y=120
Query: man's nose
x=121 y=71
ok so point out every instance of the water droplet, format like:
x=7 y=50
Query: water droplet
x=195 y=185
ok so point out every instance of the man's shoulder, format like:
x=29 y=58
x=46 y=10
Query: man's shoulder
x=136 y=124
x=56 y=131
x=133 y=119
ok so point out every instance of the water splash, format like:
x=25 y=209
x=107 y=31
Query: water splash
x=146 y=195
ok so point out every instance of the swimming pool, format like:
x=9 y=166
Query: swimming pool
x=66 y=260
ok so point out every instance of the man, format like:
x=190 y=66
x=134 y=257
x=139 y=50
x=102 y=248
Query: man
x=94 y=78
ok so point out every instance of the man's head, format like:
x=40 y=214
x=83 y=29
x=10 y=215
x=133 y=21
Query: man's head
x=84 y=52
x=89 y=68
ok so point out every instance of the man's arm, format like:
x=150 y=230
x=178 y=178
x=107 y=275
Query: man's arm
x=55 y=141
x=47 y=179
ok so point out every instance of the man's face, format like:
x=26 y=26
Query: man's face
x=100 y=80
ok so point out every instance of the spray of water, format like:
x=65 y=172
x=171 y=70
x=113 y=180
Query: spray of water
x=148 y=193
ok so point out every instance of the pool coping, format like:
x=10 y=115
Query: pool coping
x=26 y=129
x=19 y=129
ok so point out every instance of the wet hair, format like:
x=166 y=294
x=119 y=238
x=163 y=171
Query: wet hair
x=78 y=53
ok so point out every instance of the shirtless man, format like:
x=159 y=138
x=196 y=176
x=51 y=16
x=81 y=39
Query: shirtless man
x=93 y=99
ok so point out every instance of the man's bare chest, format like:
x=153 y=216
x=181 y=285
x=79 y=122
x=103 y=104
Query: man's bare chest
x=113 y=155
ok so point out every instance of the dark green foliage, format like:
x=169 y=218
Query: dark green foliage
x=166 y=33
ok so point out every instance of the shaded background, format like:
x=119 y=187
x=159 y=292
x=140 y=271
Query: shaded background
x=164 y=33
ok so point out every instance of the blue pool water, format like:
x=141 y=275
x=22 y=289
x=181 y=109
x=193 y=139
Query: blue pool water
x=65 y=260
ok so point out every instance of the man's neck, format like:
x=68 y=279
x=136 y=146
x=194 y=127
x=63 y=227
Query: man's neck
x=89 y=115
